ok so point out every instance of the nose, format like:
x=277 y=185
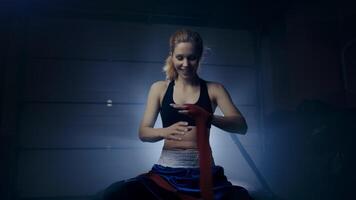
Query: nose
x=185 y=62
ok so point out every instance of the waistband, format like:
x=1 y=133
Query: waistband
x=185 y=158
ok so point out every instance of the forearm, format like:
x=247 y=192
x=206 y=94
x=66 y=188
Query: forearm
x=232 y=124
x=149 y=134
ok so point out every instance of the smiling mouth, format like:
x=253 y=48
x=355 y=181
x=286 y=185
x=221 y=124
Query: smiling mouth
x=185 y=71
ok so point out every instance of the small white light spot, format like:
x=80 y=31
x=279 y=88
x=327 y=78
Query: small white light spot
x=109 y=103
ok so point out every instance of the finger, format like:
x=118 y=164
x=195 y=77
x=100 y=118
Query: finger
x=179 y=133
x=189 y=106
x=183 y=123
x=174 y=105
x=182 y=129
x=190 y=127
x=178 y=106
x=172 y=137
x=183 y=111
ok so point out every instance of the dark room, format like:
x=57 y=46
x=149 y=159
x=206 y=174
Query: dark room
x=156 y=99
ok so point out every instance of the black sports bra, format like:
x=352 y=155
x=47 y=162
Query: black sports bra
x=170 y=115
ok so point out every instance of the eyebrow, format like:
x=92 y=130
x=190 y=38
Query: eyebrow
x=185 y=55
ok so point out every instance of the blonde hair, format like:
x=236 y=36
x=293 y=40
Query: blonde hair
x=182 y=35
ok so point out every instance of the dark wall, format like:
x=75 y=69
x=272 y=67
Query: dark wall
x=307 y=47
x=12 y=40
x=309 y=112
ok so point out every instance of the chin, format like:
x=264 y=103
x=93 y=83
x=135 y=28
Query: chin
x=189 y=76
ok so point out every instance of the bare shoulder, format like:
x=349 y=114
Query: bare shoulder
x=159 y=86
x=215 y=88
x=223 y=99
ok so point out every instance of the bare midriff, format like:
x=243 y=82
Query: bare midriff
x=189 y=141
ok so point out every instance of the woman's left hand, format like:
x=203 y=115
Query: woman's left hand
x=194 y=111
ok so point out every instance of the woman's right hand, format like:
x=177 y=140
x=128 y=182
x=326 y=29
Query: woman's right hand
x=176 y=131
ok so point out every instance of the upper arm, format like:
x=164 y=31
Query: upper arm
x=152 y=105
x=224 y=101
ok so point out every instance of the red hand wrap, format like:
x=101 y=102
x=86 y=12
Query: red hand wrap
x=202 y=118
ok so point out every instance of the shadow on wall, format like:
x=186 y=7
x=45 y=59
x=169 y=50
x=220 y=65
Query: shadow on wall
x=312 y=150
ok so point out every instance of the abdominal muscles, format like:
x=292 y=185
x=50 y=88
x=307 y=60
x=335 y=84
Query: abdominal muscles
x=189 y=141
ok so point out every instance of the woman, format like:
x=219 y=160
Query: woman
x=186 y=169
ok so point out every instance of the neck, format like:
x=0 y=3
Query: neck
x=187 y=82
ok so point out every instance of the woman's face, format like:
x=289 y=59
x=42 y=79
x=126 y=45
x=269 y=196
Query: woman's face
x=185 y=60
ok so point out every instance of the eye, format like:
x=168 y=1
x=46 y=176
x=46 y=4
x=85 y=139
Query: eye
x=179 y=57
x=192 y=58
